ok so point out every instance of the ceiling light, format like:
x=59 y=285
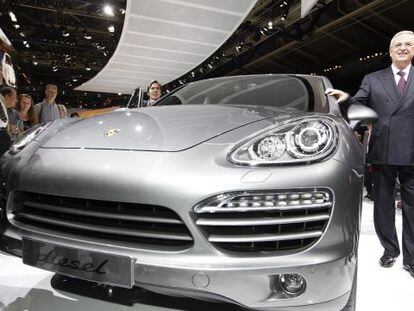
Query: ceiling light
x=270 y=24
x=263 y=31
x=239 y=45
x=17 y=26
x=65 y=34
x=87 y=36
x=22 y=34
x=108 y=10
x=122 y=11
x=75 y=80
x=88 y=68
x=12 y=17
x=55 y=68
x=35 y=63
x=111 y=29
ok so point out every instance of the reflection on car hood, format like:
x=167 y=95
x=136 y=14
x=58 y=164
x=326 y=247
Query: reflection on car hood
x=170 y=128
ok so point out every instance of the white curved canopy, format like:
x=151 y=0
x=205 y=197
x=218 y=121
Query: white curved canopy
x=164 y=39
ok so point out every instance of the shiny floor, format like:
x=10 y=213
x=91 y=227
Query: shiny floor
x=25 y=288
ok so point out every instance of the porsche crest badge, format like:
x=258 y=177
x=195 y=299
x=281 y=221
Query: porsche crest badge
x=111 y=132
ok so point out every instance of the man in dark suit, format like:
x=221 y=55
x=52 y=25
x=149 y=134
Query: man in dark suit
x=154 y=93
x=390 y=92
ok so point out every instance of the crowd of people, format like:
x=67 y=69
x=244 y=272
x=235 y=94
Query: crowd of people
x=20 y=113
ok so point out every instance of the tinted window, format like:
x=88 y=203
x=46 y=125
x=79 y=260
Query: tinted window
x=268 y=90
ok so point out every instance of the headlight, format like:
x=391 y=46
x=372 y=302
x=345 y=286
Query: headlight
x=303 y=140
x=27 y=137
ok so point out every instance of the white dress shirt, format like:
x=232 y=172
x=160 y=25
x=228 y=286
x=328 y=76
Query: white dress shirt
x=397 y=77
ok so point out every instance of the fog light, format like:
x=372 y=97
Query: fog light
x=292 y=283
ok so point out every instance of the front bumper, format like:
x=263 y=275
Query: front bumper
x=250 y=287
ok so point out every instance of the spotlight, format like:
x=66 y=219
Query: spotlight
x=270 y=24
x=87 y=36
x=239 y=46
x=108 y=10
x=88 y=68
x=263 y=31
x=17 y=26
x=111 y=28
x=55 y=68
x=13 y=17
x=35 y=63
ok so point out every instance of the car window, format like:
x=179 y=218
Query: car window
x=278 y=91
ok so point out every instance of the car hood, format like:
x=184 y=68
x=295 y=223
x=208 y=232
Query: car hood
x=171 y=128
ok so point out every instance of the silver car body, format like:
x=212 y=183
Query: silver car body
x=167 y=160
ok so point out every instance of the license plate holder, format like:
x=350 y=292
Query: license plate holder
x=79 y=263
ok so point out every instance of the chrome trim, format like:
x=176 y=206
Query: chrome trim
x=129 y=217
x=259 y=221
x=102 y=229
x=263 y=237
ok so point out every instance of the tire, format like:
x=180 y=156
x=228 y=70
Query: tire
x=350 y=305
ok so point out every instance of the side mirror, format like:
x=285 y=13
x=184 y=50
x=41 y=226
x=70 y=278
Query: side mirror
x=359 y=113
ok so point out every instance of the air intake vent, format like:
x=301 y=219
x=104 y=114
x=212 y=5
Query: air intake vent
x=129 y=222
x=270 y=221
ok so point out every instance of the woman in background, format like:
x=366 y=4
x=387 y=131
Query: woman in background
x=25 y=107
x=63 y=112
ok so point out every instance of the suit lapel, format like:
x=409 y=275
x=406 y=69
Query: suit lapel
x=409 y=88
x=388 y=81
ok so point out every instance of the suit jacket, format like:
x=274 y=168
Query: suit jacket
x=392 y=138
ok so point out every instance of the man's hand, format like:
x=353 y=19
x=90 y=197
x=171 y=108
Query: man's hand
x=338 y=94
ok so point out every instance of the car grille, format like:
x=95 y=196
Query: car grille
x=266 y=221
x=129 y=222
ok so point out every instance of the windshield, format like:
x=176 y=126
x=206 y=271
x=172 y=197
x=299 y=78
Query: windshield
x=267 y=90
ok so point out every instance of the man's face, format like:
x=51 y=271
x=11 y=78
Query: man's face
x=51 y=93
x=10 y=100
x=402 y=49
x=154 y=91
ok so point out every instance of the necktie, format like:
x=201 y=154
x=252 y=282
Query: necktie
x=401 y=83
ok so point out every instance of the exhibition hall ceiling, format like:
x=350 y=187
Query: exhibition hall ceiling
x=164 y=39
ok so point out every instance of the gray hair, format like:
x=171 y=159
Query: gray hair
x=404 y=32
x=51 y=86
